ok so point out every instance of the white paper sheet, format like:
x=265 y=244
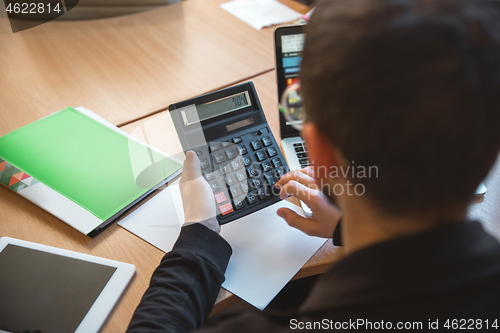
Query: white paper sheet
x=157 y=220
x=267 y=253
x=260 y=13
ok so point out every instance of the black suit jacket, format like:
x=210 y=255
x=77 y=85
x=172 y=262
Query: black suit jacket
x=449 y=274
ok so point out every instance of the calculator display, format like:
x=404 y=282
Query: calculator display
x=216 y=108
x=239 y=124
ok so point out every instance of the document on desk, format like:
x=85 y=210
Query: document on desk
x=81 y=168
x=260 y=13
x=267 y=252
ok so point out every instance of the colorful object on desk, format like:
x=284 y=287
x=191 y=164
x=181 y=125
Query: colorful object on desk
x=14 y=178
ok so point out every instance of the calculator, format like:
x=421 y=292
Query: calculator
x=239 y=156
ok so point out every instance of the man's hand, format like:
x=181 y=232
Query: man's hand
x=302 y=185
x=197 y=196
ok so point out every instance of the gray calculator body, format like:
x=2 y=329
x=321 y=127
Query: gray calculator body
x=239 y=155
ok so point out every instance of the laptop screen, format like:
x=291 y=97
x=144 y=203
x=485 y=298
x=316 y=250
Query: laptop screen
x=289 y=43
x=291 y=56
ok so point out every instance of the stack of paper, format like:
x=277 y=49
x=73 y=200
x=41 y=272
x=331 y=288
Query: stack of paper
x=260 y=13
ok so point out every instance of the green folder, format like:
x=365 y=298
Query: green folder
x=94 y=166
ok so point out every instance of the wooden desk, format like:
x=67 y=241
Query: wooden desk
x=21 y=219
x=127 y=67
x=124 y=69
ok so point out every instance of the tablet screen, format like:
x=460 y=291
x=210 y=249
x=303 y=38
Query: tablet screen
x=45 y=292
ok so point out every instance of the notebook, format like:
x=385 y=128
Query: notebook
x=81 y=168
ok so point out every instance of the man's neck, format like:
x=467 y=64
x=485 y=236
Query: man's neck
x=364 y=225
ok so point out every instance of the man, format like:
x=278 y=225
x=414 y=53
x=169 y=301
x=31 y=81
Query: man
x=413 y=88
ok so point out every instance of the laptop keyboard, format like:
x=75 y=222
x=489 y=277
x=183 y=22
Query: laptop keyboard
x=301 y=152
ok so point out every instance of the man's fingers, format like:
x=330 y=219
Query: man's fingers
x=308 y=171
x=306 y=225
x=298 y=176
x=309 y=196
x=191 y=169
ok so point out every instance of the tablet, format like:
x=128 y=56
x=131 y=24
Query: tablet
x=46 y=289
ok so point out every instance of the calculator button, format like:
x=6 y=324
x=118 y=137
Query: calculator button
x=214 y=147
x=245 y=188
x=236 y=164
x=301 y=155
x=266 y=166
x=240 y=176
x=247 y=161
x=251 y=198
x=226 y=209
x=219 y=158
x=272 y=152
x=224 y=169
x=256 y=183
x=279 y=173
x=215 y=186
x=199 y=152
x=252 y=172
x=270 y=179
x=237 y=140
x=209 y=175
x=240 y=204
x=229 y=180
x=266 y=141
x=263 y=193
x=274 y=191
x=299 y=149
x=297 y=144
x=277 y=162
x=204 y=164
x=255 y=145
x=260 y=156
x=243 y=150
x=220 y=197
x=235 y=192
x=230 y=154
x=303 y=160
x=225 y=144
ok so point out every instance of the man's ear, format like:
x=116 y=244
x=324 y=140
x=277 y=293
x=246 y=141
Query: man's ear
x=322 y=152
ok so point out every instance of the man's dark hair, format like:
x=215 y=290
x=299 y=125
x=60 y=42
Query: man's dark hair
x=412 y=87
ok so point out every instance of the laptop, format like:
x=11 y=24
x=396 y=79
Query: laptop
x=289 y=43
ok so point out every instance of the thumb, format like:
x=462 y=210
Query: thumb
x=191 y=169
x=296 y=221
